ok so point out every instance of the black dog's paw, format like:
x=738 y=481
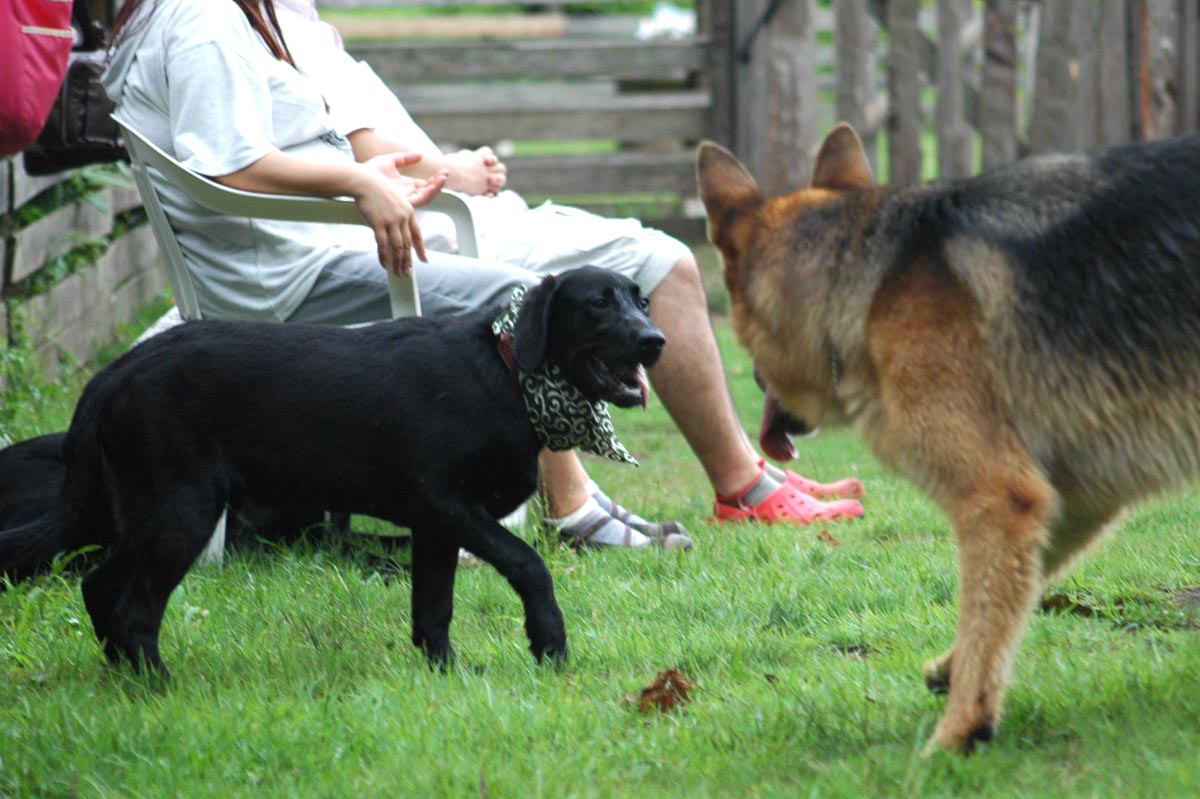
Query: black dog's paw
x=553 y=654
x=438 y=658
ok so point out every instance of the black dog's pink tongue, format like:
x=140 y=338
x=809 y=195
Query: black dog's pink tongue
x=772 y=436
x=644 y=384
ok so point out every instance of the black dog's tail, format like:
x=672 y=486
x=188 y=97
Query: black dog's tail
x=80 y=515
x=32 y=547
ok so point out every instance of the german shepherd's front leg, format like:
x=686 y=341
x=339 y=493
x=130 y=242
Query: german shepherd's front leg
x=1002 y=531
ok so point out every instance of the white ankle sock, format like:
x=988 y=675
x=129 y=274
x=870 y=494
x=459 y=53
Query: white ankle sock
x=592 y=523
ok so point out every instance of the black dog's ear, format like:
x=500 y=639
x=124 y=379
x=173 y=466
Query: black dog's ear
x=532 y=328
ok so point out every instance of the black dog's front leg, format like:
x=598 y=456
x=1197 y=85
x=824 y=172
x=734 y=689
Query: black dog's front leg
x=434 y=562
x=520 y=564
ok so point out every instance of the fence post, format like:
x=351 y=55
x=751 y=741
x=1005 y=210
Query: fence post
x=1113 y=74
x=1055 y=106
x=904 y=93
x=854 y=41
x=998 y=92
x=716 y=21
x=953 y=132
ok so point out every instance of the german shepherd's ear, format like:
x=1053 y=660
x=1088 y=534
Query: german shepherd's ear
x=732 y=200
x=842 y=162
x=532 y=329
x=725 y=185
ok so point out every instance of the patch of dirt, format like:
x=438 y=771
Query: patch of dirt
x=1187 y=598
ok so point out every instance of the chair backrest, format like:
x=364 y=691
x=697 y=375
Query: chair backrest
x=144 y=154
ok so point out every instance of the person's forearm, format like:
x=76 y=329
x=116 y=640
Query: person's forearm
x=281 y=173
x=368 y=143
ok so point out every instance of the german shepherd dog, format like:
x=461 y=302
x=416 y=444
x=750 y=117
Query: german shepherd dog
x=418 y=421
x=1024 y=346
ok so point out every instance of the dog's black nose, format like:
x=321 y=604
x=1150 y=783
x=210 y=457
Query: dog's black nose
x=650 y=347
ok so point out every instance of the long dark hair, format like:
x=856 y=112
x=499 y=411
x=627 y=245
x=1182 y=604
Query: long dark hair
x=267 y=29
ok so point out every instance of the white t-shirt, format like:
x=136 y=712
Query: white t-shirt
x=196 y=80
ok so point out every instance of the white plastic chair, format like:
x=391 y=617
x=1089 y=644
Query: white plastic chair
x=144 y=154
x=235 y=202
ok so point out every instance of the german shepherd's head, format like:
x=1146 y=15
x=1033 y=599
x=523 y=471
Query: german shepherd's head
x=780 y=257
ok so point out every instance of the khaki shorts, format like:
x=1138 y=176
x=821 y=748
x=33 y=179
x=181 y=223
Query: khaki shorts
x=552 y=238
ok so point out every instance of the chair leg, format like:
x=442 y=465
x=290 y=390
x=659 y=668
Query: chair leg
x=214 y=552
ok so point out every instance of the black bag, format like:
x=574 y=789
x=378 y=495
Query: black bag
x=79 y=129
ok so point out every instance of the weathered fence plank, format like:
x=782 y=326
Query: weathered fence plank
x=1056 y=82
x=953 y=131
x=1115 y=115
x=792 y=124
x=558 y=59
x=904 y=93
x=998 y=90
x=549 y=176
x=56 y=234
x=71 y=317
x=629 y=118
x=854 y=37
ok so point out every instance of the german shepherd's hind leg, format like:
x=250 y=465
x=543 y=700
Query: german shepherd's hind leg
x=1076 y=529
x=127 y=594
x=525 y=571
x=434 y=563
x=1002 y=531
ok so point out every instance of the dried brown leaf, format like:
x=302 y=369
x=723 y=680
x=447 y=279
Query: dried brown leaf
x=670 y=688
x=828 y=539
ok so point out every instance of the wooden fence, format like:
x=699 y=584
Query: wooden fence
x=83 y=266
x=608 y=120
x=992 y=80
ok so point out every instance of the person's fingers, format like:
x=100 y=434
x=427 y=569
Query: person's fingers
x=418 y=244
x=403 y=248
x=402 y=160
x=423 y=193
x=384 y=248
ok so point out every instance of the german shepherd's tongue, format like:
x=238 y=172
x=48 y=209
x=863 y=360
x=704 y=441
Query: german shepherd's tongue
x=773 y=435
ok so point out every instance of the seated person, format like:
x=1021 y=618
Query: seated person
x=214 y=83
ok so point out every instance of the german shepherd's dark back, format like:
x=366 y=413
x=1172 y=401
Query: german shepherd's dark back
x=1024 y=346
x=1098 y=298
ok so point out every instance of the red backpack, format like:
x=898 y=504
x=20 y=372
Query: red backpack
x=36 y=37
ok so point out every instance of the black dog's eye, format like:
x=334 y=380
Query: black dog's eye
x=601 y=302
x=644 y=303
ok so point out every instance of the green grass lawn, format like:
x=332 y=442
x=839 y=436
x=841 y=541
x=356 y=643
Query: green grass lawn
x=294 y=675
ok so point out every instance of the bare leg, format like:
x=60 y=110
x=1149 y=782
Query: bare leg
x=564 y=482
x=690 y=381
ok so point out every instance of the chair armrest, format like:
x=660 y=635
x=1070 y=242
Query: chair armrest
x=236 y=202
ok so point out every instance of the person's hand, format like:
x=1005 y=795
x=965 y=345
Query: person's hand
x=387 y=205
x=476 y=172
x=391 y=164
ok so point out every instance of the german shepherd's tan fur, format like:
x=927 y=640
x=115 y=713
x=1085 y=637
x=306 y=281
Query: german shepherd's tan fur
x=1024 y=346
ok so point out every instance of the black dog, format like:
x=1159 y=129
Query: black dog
x=418 y=421
x=31 y=476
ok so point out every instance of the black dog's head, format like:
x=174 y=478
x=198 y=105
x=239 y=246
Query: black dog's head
x=593 y=324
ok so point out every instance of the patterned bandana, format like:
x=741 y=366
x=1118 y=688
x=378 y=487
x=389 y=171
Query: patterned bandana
x=561 y=416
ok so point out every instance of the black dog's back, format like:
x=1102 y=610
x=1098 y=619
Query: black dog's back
x=336 y=410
